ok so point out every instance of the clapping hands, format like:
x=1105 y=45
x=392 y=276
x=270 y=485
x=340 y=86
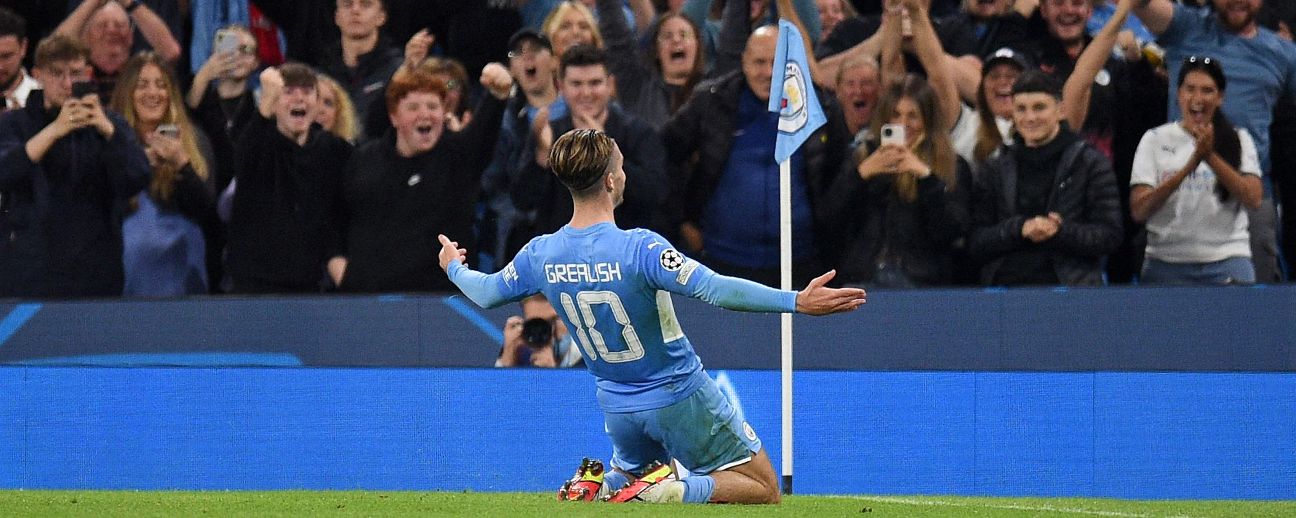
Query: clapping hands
x=1042 y=228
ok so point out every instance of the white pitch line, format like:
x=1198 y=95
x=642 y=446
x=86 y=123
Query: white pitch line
x=1011 y=507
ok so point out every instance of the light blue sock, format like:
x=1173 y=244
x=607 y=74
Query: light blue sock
x=698 y=488
x=614 y=480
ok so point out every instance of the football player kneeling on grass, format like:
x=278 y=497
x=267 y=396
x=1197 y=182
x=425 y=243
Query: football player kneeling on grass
x=612 y=288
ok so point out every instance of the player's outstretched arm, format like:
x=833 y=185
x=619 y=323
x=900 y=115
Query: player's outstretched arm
x=482 y=289
x=818 y=299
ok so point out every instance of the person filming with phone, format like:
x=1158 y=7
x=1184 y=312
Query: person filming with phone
x=903 y=202
x=166 y=231
x=66 y=166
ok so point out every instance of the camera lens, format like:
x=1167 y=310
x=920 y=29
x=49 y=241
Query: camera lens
x=886 y=132
x=537 y=332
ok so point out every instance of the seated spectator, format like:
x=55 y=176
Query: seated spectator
x=15 y=84
x=336 y=111
x=535 y=70
x=66 y=165
x=282 y=225
x=1192 y=179
x=107 y=28
x=569 y=24
x=538 y=338
x=652 y=87
x=1045 y=211
x=164 y=237
x=363 y=60
x=857 y=85
x=901 y=210
x=415 y=182
x=720 y=147
x=586 y=86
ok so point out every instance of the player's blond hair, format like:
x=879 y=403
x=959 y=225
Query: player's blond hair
x=581 y=157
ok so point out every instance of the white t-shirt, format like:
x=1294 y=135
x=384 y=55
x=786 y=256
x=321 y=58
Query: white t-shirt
x=1193 y=226
x=964 y=135
x=18 y=98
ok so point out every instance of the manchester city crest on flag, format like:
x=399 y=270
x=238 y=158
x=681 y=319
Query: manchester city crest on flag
x=794 y=97
x=792 y=112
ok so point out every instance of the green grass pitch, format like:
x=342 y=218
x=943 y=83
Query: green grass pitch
x=395 y=504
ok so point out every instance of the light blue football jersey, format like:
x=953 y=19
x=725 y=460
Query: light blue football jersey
x=613 y=288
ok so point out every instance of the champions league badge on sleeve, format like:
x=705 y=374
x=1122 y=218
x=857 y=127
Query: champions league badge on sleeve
x=671 y=260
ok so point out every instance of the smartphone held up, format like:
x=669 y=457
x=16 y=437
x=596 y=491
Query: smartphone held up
x=893 y=134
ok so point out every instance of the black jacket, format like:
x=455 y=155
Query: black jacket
x=874 y=228
x=1084 y=193
x=60 y=219
x=283 y=224
x=698 y=138
x=366 y=84
x=395 y=206
x=538 y=189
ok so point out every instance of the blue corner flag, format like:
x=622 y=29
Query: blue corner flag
x=793 y=97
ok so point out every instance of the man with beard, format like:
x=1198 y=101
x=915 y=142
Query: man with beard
x=15 y=84
x=1116 y=95
x=107 y=28
x=1260 y=68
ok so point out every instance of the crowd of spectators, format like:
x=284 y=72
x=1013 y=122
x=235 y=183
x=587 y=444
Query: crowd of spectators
x=179 y=147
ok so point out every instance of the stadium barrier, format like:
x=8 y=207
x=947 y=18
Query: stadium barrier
x=1111 y=329
x=1122 y=393
x=1117 y=435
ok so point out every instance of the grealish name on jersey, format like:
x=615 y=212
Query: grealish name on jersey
x=580 y=272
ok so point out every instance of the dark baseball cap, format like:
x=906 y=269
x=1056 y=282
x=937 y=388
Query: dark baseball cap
x=515 y=42
x=1006 y=55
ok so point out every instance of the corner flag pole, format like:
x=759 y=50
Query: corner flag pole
x=792 y=96
x=785 y=282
